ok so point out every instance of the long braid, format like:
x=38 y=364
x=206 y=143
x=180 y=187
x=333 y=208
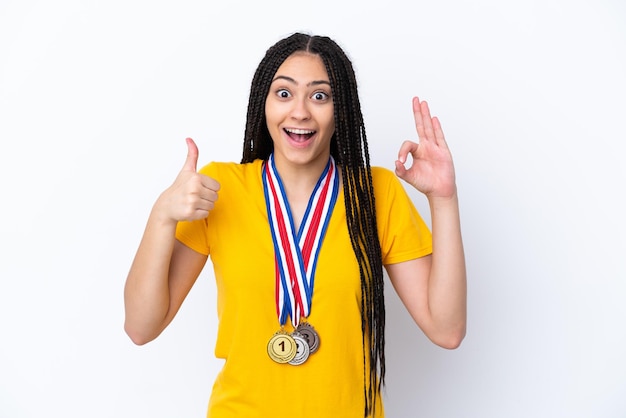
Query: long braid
x=350 y=150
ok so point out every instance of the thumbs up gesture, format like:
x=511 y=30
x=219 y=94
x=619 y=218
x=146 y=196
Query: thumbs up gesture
x=192 y=195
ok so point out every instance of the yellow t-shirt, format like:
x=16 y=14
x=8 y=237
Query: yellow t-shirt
x=237 y=237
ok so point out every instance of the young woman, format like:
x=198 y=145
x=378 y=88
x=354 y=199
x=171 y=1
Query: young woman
x=298 y=240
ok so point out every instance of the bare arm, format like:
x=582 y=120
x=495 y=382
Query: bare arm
x=164 y=270
x=434 y=288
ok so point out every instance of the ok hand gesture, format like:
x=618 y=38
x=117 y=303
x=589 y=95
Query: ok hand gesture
x=432 y=170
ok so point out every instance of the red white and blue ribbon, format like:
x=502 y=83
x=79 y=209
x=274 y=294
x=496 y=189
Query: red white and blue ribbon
x=296 y=252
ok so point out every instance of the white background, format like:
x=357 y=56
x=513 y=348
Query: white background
x=97 y=97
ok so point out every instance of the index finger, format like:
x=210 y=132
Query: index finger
x=407 y=147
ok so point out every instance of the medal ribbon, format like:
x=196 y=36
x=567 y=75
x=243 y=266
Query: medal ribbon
x=296 y=253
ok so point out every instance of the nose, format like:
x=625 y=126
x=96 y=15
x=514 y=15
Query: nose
x=300 y=109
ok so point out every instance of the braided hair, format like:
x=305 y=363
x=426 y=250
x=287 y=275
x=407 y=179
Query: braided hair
x=349 y=148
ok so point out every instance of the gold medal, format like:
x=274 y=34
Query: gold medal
x=282 y=348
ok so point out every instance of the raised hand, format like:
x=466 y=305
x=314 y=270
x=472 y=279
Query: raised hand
x=431 y=171
x=192 y=195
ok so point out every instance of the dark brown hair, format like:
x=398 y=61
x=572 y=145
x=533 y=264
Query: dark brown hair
x=349 y=148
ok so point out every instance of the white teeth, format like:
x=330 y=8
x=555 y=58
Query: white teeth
x=299 y=131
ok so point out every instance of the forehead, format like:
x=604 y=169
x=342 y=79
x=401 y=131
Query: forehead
x=303 y=66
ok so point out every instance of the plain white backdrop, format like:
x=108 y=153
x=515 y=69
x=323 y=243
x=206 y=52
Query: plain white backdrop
x=97 y=97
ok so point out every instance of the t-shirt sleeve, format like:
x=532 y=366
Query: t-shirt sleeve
x=402 y=231
x=193 y=235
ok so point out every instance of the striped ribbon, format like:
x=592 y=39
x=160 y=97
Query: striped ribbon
x=296 y=252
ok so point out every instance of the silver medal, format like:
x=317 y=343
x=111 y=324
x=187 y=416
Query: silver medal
x=302 y=349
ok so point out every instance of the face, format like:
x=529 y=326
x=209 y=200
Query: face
x=299 y=112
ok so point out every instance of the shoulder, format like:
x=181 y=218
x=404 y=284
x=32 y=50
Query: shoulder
x=382 y=173
x=384 y=179
x=389 y=190
x=238 y=183
x=227 y=171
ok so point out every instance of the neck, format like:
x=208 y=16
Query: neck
x=300 y=178
x=298 y=181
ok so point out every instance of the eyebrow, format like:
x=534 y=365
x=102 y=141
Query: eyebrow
x=291 y=80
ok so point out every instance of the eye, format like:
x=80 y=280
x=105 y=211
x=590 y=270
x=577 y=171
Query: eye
x=320 y=96
x=283 y=93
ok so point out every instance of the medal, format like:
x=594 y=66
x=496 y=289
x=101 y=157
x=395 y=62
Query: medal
x=310 y=335
x=295 y=254
x=302 y=349
x=282 y=347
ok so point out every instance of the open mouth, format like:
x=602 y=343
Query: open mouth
x=299 y=135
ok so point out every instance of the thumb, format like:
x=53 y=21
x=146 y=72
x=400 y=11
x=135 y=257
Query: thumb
x=400 y=169
x=191 y=163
